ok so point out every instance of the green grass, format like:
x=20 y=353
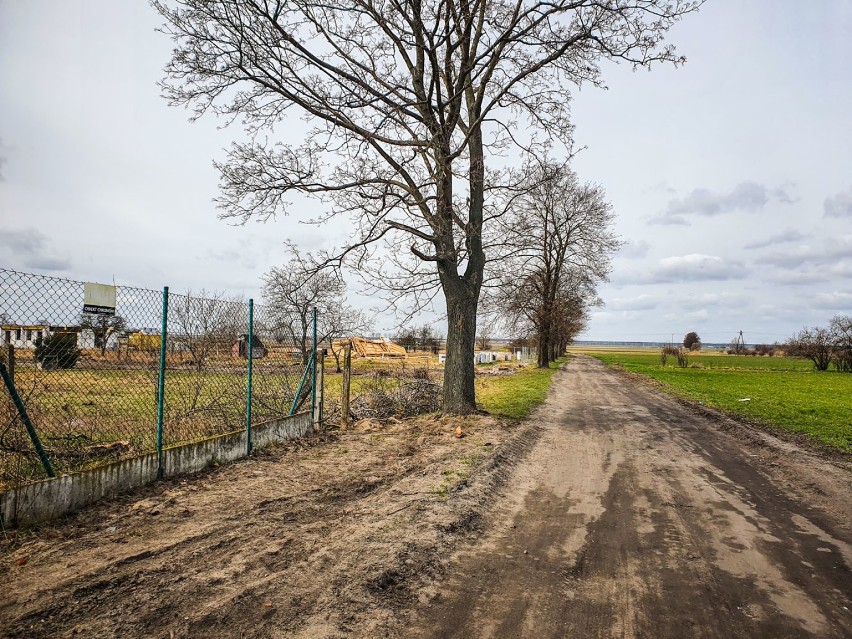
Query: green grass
x=515 y=396
x=782 y=391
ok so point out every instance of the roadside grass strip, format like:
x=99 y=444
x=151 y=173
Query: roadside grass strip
x=515 y=396
x=778 y=391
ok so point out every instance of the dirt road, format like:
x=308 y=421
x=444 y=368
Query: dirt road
x=635 y=517
x=614 y=512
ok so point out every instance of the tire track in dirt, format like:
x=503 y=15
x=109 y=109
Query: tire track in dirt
x=635 y=516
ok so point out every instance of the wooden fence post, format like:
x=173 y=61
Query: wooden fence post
x=347 y=377
x=319 y=368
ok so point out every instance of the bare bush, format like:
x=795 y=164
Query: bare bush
x=765 y=349
x=692 y=341
x=815 y=344
x=665 y=351
x=386 y=395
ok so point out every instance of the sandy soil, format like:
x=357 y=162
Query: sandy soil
x=615 y=511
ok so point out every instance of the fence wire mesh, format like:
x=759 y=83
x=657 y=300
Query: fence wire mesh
x=90 y=382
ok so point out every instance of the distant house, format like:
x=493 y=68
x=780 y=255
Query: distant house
x=26 y=335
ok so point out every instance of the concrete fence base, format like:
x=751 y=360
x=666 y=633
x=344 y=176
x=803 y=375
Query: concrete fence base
x=52 y=498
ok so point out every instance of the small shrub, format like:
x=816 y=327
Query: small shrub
x=682 y=355
x=59 y=350
x=421 y=373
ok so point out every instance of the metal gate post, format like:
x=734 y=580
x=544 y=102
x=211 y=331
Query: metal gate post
x=161 y=381
x=22 y=411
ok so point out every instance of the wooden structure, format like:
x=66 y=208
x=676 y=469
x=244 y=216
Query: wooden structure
x=376 y=348
x=240 y=348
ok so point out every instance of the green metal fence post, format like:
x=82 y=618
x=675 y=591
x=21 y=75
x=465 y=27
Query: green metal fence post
x=161 y=382
x=308 y=370
x=248 y=388
x=314 y=379
x=22 y=411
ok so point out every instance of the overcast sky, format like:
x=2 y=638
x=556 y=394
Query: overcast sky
x=731 y=176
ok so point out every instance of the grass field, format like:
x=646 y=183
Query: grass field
x=780 y=391
x=515 y=395
x=100 y=409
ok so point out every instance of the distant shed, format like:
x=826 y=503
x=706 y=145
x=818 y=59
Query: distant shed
x=240 y=348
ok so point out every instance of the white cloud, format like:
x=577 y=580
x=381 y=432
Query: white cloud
x=719 y=301
x=836 y=301
x=833 y=250
x=839 y=205
x=639 y=303
x=695 y=267
x=784 y=237
x=745 y=196
x=634 y=250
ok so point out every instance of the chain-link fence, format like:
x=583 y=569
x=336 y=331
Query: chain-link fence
x=96 y=387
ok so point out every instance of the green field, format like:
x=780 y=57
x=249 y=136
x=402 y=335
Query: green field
x=784 y=392
x=515 y=395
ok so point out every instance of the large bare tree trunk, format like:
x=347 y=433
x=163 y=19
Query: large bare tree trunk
x=459 y=394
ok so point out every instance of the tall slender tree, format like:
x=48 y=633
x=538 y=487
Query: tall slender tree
x=558 y=247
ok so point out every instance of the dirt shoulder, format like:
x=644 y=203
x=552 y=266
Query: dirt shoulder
x=322 y=538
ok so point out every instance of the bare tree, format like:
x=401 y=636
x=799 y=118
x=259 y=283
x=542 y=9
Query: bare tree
x=418 y=338
x=103 y=327
x=409 y=105
x=692 y=341
x=816 y=344
x=407 y=338
x=427 y=339
x=841 y=334
x=295 y=289
x=559 y=241
x=205 y=322
x=341 y=320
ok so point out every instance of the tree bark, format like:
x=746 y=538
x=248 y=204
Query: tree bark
x=459 y=394
x=543 y=355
